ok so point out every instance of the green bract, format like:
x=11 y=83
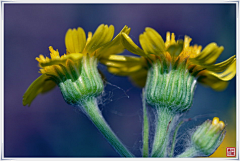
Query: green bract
x=171 y=88
x=79 y=83
x=207 y=138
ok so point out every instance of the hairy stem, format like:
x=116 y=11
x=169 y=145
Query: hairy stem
x=90 y=107
x=162 y=130
x=188 y=153
x=174 y=138
x=145 y=150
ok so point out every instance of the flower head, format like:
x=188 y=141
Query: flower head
x=76 y=71
x=171 y=54
x=208 y=136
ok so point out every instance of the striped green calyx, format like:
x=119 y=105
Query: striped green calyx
x=170 y=86
x=79 y=81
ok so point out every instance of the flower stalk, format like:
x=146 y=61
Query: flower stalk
x=188 y=153
x=90 y=107
x=162 y=131
x=174 y=139
x=145 y=150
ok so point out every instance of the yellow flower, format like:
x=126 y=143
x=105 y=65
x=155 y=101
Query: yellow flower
x=81 y=58
x=171 y=53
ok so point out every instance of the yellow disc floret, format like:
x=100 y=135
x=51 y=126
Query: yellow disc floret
x=216 y=122
x=170 y=41
x=189 y=51
x=222 y=125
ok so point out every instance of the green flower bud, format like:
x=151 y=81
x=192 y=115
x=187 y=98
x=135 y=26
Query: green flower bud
x=207 y=138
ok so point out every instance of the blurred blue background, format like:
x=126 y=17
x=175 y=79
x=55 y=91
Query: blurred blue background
x=51 y=127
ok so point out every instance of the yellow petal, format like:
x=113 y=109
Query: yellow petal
x=130 y=68
x=215 y=80
x=214 y=83
x=62 y=60
x=229 y=73
x=209 y=54
x=195 y=69
x=152 y=42
x=75 y=40
x=146 y=46
x=118 y=71
x=69 y=41
x=175 y=49
x=223 y=65
x=113 y=63
x=220 y=67
x=125 y=30
x=113 y=47
x=209 y=48
x=155 y=38
x=126 y=64
x=115 y=70
x=122 y=58
x=102 y=35
x=41 y=85
x=125 y=70
x=139 y=78
x=131 y=46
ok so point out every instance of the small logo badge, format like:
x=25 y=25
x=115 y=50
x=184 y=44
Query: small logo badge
x=231 y=152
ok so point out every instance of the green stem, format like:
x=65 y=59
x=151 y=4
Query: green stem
x=145 y=151
x=90 y=107
x=174 y=139
x=188 y=153
x=164 y=118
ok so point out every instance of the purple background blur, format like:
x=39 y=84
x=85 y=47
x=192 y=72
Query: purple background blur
x=51 y=127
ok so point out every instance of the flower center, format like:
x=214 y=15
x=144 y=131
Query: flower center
x=187 y=51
